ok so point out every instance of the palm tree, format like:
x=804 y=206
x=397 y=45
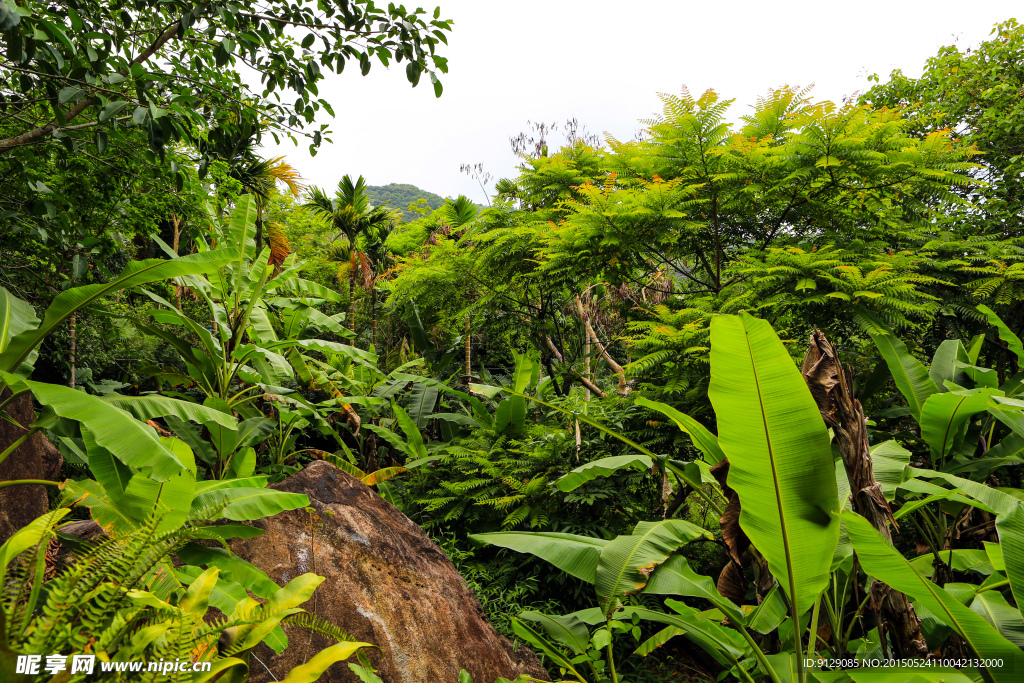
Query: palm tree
x=350 y=213
x=380 y=260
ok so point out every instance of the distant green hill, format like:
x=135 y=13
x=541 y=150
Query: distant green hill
x=399 y=196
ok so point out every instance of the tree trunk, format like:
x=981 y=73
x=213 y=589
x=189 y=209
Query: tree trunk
x=624 y=388
x=176 y=236
x=71 y=330
x=19 y=505
x=830 y=384
x=352 y=296
x=469 y=338
x=373 y=314
x=586 y=366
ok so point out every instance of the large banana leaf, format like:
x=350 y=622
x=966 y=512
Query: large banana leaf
x=71 y=300
x=602 y=467
x=944 y=417
x=16 y=316
x=547 y=647
x=152 y=406
x=702 y=438
x=626 y=562
x=412 y=432
x=170 y=500
x=889 y=461
x=1009 y=523
x=943 y=365
x=243 y=504
x=102 y=507
x=132 y=442
x=421 y=403
x=108 y=470
x=573 y=554
x=567 y=630
x=725 y=645
x=232 y=567
x=675 y=577
x=879 y=558
x=1011 y=340
x=780 y=458
x=1002 y=615
x=397 y=442
x=907 y=372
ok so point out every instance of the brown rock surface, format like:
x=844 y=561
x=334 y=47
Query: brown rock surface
x=386 y=583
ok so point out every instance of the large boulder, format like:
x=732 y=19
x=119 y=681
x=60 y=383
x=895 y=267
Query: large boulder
x=386 y=583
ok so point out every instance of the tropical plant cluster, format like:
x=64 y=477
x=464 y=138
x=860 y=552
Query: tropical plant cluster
x=741 y=398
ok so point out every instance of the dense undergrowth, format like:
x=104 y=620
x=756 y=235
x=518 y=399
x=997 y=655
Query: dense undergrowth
x=724 y=402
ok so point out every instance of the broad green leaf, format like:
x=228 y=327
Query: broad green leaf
x=942 y=367
x=395 y=440
x=16 y=316
x=101 y=504
x=412 y=432
x=132 y=442
x=1001 y=614
x=541 y=643
x=767 y=616
x=245 y=504
x=71 y=300
x=1009 y=522
x=943 y=416
x=575 y=555
x=232 y=567
x=313 y=669
x=197 y=597
x=961 y=559
x=28 y=536
x=909 y=374
x=567 y=630
x=523 y=373
x=780 y=460
x=675 y=577
x=995 y=556
x=603 y=467
x=170 y=499
x=724 y=644
x=702 y=438
x=627 y=561
x=108 y=470
x=243 y=464
x=879 y=558
x=1005 y=333
x=152 y=406
x=422 y=399
x=889 y=460
x=510 y=414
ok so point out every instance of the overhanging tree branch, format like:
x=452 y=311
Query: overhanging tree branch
x=31 y=136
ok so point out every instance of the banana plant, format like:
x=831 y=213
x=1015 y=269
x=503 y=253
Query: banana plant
x=264 y=320
x=617 y=568
x=114 y=427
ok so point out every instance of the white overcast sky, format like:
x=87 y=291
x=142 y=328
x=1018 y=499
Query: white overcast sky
x=604 y=63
